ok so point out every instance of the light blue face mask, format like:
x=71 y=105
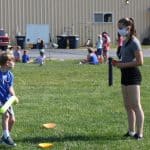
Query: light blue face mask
x=123 y=32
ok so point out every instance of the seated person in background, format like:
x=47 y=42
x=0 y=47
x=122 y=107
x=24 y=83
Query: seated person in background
x=25 y=57
x=17 y=54
x=10 y=50
x=41 y=59
x=91 y=57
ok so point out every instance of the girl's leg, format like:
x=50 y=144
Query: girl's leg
x=104 y=56
x=134 y=93
x=130 y=112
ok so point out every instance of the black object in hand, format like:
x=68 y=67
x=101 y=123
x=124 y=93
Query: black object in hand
x=110 y=72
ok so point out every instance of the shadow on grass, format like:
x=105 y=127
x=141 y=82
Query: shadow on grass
x=5 y=147
x=38 y=139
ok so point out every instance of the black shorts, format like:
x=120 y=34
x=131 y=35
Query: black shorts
x=131 y=76
x=99 y=51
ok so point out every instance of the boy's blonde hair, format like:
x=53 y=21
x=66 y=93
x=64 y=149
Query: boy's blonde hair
x=4 y=57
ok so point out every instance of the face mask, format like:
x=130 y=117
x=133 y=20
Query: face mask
x=123 y=32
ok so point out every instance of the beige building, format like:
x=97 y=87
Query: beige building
x=86 y=18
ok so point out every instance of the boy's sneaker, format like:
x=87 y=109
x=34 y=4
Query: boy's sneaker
x=1 y=141
x=138 y=137
x=9 y=141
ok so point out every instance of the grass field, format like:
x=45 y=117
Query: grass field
x=89 y=114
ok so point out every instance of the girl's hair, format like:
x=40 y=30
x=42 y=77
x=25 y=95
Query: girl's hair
x=129 y=22
x=90 y=49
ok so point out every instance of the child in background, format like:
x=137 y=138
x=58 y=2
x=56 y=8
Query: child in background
x=40 y=44
x=99 y=46
x=41 y=59
x=106 y=46
x=25 y=57
x=91 y=57
x=17 y=54
x=6 y=91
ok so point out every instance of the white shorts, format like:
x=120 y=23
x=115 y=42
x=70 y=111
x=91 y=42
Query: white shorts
x=9 y=110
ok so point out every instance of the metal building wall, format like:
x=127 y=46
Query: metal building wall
x=74 y=16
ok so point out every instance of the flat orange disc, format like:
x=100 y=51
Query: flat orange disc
x=45 y=145
x=49 y=125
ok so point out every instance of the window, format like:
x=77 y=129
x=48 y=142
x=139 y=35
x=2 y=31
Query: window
x=103 y=17
x=98 y=17
x=108 y=17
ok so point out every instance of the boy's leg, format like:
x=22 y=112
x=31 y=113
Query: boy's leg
x=11 y=122
x=7 y=123
x=5 y=126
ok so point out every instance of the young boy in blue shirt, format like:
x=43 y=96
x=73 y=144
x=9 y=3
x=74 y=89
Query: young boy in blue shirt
x=6 y=91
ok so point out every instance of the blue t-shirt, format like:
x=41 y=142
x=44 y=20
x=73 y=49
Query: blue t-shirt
x=99 y=44
x=6 y=81
x=25 y=58
x=93 y=59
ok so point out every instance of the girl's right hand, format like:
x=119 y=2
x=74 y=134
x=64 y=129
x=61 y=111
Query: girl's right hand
x=114 y=62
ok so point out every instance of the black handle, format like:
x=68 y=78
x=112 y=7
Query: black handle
x=110 y=72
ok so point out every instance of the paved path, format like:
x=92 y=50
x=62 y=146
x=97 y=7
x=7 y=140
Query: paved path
x=73 y=53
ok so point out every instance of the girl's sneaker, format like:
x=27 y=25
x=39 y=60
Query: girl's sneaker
x=138 y=137
x=128 y=134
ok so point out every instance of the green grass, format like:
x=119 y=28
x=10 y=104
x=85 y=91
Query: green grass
x=89 y=114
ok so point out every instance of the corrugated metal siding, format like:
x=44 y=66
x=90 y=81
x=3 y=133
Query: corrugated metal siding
x=74 y=16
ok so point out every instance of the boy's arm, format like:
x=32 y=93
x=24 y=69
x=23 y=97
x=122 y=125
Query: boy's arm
x=12 y=91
